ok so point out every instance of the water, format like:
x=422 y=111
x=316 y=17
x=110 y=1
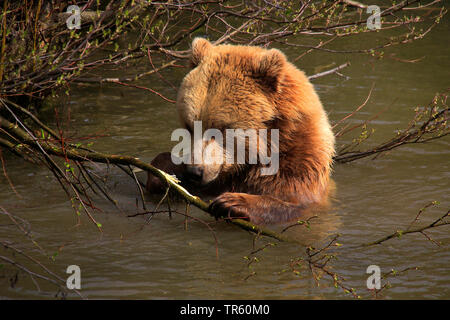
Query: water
x=160 y=260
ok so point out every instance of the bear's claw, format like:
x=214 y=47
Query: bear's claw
x=230 y=205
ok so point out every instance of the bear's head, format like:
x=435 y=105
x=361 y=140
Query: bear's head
x=229 y=87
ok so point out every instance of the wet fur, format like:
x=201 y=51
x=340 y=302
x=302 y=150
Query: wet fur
x=251 y=87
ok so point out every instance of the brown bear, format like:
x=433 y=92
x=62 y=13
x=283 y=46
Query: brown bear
x=247 y=87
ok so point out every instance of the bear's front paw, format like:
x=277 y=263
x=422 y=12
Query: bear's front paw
x=231 y=205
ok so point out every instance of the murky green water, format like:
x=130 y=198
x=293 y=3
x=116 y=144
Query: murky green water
x=159 y=260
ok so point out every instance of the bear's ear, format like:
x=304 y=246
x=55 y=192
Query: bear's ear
x=200 y=48
x=269 y=69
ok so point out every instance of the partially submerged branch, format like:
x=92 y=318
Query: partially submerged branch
x=429 y=123
x=23 y=142
x=54 y=63
x=80 y=155
x=441 y=221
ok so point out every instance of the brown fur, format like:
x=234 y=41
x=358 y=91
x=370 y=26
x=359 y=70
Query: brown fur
x=251 y=87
